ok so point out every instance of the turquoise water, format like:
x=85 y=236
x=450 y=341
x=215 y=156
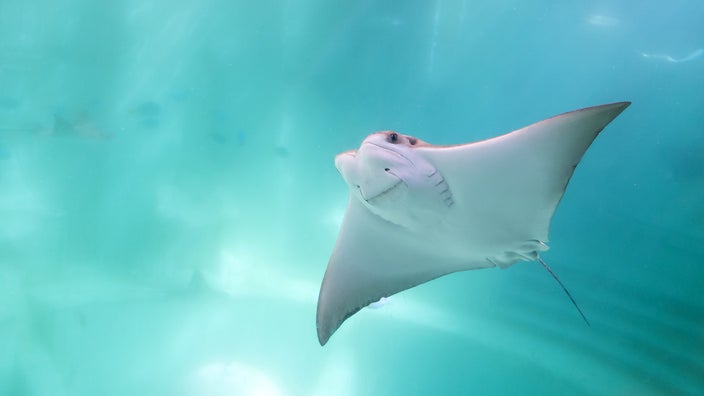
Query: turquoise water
x=168 y=198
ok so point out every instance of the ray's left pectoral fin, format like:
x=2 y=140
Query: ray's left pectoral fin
x=373 y=258
x=517 y=180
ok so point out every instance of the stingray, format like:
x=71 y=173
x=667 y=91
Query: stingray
x=418 y=211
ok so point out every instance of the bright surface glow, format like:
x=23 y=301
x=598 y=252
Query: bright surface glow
x=241 y=272
x=234 y=378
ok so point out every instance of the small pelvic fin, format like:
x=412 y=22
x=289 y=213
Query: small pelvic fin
x=563 y=288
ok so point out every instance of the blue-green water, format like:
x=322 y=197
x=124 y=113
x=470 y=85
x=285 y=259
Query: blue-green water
x=168 y=200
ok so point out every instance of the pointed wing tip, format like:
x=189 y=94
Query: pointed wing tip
x=617 y=107
x=612 y=109
x=605 y=112
x=324 y=332
x=323 y=323
x=329 y=320
x=620 y=105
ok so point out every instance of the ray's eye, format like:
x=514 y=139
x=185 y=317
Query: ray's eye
x=393 y=137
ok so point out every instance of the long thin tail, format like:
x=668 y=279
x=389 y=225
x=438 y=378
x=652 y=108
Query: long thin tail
x=563 y=288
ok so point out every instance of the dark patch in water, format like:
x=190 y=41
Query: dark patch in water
x=218 y=137
x=8 y=103
x=146 y=109
x=147 y=114
x=180 y=95
x=281 y=151
x=83 y=125
x=237 y=137
x=687 y=162
x=149 y=123
x=62 y=126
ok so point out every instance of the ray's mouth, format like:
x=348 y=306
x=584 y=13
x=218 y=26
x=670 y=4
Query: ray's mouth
x=374 y=197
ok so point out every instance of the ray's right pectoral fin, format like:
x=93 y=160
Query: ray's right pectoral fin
x=373 y=258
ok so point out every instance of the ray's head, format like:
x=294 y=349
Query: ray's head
x=378 y=165
x=390 y=177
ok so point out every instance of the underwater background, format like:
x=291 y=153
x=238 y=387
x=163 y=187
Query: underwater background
x=168 y=198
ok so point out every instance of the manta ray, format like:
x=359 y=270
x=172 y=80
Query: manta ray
x=418 y=211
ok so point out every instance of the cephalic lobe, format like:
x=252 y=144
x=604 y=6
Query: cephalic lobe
x=395 y=182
